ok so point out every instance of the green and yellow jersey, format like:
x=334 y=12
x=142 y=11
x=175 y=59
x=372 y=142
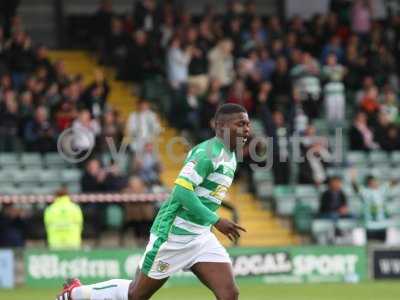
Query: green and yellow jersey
x=208 y=172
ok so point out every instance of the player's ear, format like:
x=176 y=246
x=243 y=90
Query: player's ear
x=213 y=124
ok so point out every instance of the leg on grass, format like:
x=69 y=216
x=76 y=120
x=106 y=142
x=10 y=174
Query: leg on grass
x=218 y=277
x=115 y=289
x=144 y=287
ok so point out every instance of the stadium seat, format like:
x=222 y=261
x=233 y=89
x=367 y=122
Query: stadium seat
x=323 y=230
x=52 y=186
x=9 y=160
x=262 y=175
x=31 y=160
x=7 y=176
x=257 y=127
x=395 y=158
x=283 y=190
x=6 y=188
x=347 y=224
x=71 y=175
x=264 y=190
x=53 y=160
x=285 y=205
x=311 y=201
x=74 y=187
x=27 y=188
x=114 y=216
x=43 y=190
x=305 y=190
x=357 y=158
x=49 y=175
x=378 y=157
x=26 y=176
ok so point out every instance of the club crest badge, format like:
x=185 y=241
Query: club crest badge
x=162 y=266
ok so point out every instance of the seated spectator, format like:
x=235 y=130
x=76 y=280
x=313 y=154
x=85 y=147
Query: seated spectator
x=115 y=180
x=93 y=178
x=369 y=103
x=390 y=104
x=13 y=226
x=333 y=202
x=112 y=131
x=63 y=220
x=147 y=166
x=39 y=134
x=361 y=137
x=391 y=142
x=138 y=216
x=9 y=123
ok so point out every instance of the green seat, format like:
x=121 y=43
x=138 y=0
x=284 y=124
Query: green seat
x=7 y=176
x=43 y=190
x=26 y=176
x=395 y=158
x=305 y=190
x=285 y=205
x=53 y=160
x=283 y=190
x=9 y=160
x=52 y=186
x=262 y=175
x=71 y=175
x=302 y=218
x=74 y=187
x=7 y=188
x=347 y=224
x=31 y=160
x=323 y=230
x=310 y=201
x=114 y=216
x=357 y=158
x=264 y=190
x=378 y=157
x=49 y=175
x=27 y=188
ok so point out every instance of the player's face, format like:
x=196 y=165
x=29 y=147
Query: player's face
x=239 y=129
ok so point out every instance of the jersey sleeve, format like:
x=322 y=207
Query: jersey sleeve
x=197 y=167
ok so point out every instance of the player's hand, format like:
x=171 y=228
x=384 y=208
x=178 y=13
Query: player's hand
x=229 y=228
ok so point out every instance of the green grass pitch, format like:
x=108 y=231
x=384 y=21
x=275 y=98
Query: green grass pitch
x=388 y=290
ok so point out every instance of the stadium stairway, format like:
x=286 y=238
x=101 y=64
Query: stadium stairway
x=263 y=228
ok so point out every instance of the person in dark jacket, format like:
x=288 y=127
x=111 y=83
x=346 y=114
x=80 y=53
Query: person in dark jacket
x=333 y=201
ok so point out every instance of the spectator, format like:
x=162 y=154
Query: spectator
x=178 y=60
x=221 y=62
x=138 y=216
x=147 y=166
x=9 y=123
x=361 y=137
x=63 y=220
x=361 y=17
x=93 y=178
x=334 y=91
x=39 y=133
x=112 y=131
x=142 y=126
x=96 y=94
x=85 y=130
x=13 y=226
x=375 y=211
x=333 y=202
x=306 y=80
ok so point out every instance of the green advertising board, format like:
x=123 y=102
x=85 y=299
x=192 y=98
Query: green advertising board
x=269 y=265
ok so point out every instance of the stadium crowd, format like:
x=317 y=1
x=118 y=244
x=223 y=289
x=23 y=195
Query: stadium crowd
x=289 y=74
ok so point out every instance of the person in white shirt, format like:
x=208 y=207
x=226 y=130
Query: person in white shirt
x=142 y=126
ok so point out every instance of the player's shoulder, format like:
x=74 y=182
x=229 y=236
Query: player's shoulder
x=208 y=149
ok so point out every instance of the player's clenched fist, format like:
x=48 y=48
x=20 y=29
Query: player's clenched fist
x=229 y=228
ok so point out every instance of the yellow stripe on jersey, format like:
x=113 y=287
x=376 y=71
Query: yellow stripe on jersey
x=184 y=183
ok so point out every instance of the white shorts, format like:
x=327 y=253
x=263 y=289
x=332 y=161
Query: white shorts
x=164 y=258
